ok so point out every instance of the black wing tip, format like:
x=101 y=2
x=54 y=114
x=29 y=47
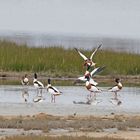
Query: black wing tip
x=103 y=67
x=99 y=69
x=100 y=45
x=76 y=49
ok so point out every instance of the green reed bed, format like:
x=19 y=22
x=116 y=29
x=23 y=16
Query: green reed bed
x=58 y=61
x=53 y=60
x=119 y=63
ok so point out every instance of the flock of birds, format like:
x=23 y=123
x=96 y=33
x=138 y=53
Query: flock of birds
x=88 y=78
x=39 y=87
x=91 y=85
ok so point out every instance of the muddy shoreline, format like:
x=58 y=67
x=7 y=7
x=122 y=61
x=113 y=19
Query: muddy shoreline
x=15 y=77
x=112 y=126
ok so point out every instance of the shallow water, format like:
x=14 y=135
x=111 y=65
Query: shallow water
x=89 y=43
x=12 y=132
x=12 y=102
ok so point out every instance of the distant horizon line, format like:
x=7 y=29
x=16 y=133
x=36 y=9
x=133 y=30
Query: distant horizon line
x=53 y=34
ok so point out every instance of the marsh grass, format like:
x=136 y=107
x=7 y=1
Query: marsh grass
x=58 y=138
x=59 y=62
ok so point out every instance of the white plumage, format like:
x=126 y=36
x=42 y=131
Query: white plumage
x=82 y=78
x=25 y=80
x=88 y=61
x=53 y=91
x=117 y=87
x=90 y=75
x=38 y=85
x=114 y=89
x=92 y=88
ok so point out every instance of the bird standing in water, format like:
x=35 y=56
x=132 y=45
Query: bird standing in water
x=25 y=80
x=53 y=91
x=38 y=85
x=92 y=88
x=25 y=83
x=116 y=88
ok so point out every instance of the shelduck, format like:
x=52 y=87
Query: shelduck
x=91 y=74
x=88 y=61
x=38 y=85
x=53 y=91
x=117 y=87
x=92 y=88
x=25 y=80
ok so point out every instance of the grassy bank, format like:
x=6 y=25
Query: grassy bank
x=57 y=61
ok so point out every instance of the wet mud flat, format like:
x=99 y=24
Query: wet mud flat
x=111 y=126
x=14 y=78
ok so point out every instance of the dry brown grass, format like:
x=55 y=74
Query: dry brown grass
x=58 y=138
x=79 y=127
x=91 y=123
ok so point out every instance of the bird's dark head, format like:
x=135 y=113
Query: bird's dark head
x=35 y=76
x=49 y=81
x=87 y=77
x=117 y=80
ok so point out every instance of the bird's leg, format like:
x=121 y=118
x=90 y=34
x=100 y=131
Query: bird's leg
x=88 y=98
x=37 y=91
x=54 y=98
x=25 y=100
x=115 y=96
x=41 y=92
x=51 y=98
x=95 y=96
x=91 y=95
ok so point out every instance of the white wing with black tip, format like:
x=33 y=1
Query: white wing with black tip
x=82 y=55
x=114 y=89
x=95 y=51
x=97 y=70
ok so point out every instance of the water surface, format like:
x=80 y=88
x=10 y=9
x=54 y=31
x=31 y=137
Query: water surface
x=66 y=41
x=12 y=102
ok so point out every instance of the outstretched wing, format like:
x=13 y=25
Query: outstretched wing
x=95 y=51
x=82 y=55
x=91 y=81
x=82 y=78
x=97 y=70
